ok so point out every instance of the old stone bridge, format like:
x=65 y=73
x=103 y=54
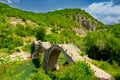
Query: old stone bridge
x=51 y=53
x=71 y=53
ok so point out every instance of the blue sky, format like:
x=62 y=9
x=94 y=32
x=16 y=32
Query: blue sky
x=107 y=11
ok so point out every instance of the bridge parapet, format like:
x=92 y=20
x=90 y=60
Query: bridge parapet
x=71 y=53
x=51 y=53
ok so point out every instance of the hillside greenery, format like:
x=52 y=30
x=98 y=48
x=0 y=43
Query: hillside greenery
x=78 y=71
x=19 y=28
x=104 y=48
x=104 y=45
x=61 y=24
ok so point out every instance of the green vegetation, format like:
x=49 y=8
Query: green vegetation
x=78 y=71
x=8 y=69
x=116 y=30
x=104 y=45
x=20 y=28
x=40 y=33
x=8 y=39
x=60 y=23
x=15 y=70
x=112 y=69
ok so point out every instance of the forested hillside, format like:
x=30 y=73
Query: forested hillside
x=60 y=26
x=19 y=28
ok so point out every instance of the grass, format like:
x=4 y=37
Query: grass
x=113 y=69
x=18 y=70
x=62 y=58
x=27 y=67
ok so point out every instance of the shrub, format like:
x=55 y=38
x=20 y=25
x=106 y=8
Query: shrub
x=102 y=46
x=116 y=30
x=27 y=47
x=20 y=30
x=8 y=69
x=40 y=33
x=40 y=75
x=10 y=41
x=79 y=71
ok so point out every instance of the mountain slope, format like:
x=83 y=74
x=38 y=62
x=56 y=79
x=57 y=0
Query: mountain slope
x=60 y=26
x=19 y=28
x=63 y=18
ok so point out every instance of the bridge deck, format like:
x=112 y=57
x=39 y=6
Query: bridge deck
x=72 y=53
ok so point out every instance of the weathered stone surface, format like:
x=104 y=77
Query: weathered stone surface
x=72 y=54
x=84 y=21
x=51 y=53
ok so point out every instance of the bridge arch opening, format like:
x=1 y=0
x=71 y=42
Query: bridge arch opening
x=57 y=58
x=51 y=55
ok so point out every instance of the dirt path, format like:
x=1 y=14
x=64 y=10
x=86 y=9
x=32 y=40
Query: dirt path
x=74 y=51
x=101 y=74
x=22 y=55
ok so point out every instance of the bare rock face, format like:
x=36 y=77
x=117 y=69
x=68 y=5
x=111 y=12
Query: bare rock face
x=80 y=31
x=16 y=20
x=78 y=18
x=88 y=24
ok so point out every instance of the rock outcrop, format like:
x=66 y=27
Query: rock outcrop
x=90 y=25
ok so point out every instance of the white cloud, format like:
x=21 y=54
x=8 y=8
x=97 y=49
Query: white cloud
x=110 y=20
x=107 y=12
x=9 y=1
x=59 y=8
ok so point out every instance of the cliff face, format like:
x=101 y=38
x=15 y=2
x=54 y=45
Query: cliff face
x=90 y=25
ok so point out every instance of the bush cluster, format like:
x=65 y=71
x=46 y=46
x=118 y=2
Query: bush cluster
x=104 y=45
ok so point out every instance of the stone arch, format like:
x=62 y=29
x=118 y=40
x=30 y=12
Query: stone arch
x=72 y=55
x=36 y=47
x=53 y=55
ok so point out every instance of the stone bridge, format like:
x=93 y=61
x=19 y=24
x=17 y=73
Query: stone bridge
x=71 y=53
x=51 y=53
